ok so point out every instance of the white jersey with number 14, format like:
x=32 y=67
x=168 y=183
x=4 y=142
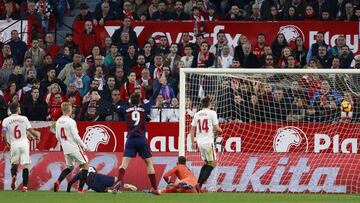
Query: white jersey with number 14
x=68 y=135
x=204 y=121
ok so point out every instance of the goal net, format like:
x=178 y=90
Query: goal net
x=283 y=130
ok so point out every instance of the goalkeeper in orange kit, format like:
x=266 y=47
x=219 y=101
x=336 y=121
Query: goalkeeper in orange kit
x=187 y=180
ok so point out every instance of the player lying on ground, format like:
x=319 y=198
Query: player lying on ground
x=98 y=182
x=204 y=123
x=136 y=143
x=68 y=136
x=187 y=180
x=15 y=129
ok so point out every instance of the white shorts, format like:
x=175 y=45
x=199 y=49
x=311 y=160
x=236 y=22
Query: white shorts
x=78 y=157
x=207 y=152
x=20 y=155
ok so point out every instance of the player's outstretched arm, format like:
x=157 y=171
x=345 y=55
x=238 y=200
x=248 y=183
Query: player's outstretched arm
x=155 y=95
x=109 y=105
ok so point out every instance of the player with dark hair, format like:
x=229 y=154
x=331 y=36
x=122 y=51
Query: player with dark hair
x=14 y=130
x=136 y=143
x=187 y=181
x=98 y=182
x=203 y=124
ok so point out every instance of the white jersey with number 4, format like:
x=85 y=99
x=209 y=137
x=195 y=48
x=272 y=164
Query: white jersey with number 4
x=16 y=127
x=68 y=135
x=204 y=122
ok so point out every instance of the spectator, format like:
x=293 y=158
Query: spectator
x=346 y=57
x=110 y=58
x=51 y=79
x=76 y=113
x=153 y=7
x=34 y=108
x=28 y=65
x=173 y=114
x=348 y=15
x=255 y=12
x=107 y=46
x=274 y=15
x=185 y=42
x=298 y=5
x=221 y=42
x=163 y=47
x=127 y=12
x=320 y=5
x=36 y=53
x=161 y=13
x=326 y=15
x=12 y=89
x=118 y=63
x=9 y=13
x=226 y=58
x=204 y=58
x=300 y=51
x=46 y=63
x=291 y=63
x=29 y=77
x=60 y=7
x=309 y=13
x=278 y=45
x=326 y=102
x=147 y=52
x=104 y=15
x=85 y=14
x=179 y=13
x=188 y=58
x=27 y=90
x=197 y=46
x=248 y=59
x=128 y=88
x=140 y=8
x=313 y=50
x=267 y=51
x=323 y=58
x=17 y=77
x=62 y=59
x=72 y=90
x=115 y=100
x=5 y=52
x=235 y=14
x=34 y=19
x=167 y=92
x=291 y=15
x=113 y=6
x=139 y=67
x=313 y=64
x=17 y=46
x=94 y=86
x=80 y=79
x=356 y=62
x=357 y=14
x=146 y=82
x=235 y=63
x=120 y=77
x=125 y=28
x=131 y=57
x=50 y=47
x=88 y=39
x=91 y=111
x=172 y=59
x=109 y=87
x=69 y=42
x=95 y=59
x=157 y=113
x=99 y=76
x=260 y=44
x=156 y=68
x=44 y=10
x=69 y=70
x=269 y=62
x=337 y=50
x=6 y=70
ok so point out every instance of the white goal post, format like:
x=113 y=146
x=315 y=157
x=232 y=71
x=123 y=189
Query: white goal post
x=221 y=71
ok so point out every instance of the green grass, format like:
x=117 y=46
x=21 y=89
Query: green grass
x=130 y=197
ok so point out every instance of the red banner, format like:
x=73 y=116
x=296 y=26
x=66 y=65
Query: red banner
x=237 y=137
x=233 y=30
x=245 y=172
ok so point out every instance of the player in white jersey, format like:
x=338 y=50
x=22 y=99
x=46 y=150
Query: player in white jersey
x=67 y=135
x=204 y=123
x=15 y=130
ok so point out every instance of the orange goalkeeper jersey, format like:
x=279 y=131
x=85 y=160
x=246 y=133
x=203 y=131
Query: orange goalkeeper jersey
x=183 y=173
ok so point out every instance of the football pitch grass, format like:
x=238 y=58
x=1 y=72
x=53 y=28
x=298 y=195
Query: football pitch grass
x=135 y=197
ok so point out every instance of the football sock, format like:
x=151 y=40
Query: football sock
x=25 y=176
x=153 y=181
x=13 y=170
x=83 y=175
x=207 y=172
x=121 y=174
x=201 y=174
x=63 y=174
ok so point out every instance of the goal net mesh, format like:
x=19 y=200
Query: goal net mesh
x=281 y=132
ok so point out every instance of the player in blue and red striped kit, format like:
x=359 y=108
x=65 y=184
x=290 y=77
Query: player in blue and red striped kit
x=136 y=143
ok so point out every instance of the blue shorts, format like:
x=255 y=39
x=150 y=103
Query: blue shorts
x=102 y=182
x=137 y=145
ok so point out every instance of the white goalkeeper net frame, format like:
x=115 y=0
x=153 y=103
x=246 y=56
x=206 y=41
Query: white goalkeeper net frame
x=285 y=130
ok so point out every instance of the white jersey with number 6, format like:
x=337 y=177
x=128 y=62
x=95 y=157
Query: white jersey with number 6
x=16 y=127
x=68 y=135
x=204 y=122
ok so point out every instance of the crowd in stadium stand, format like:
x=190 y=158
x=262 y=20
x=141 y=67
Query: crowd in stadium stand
x=43 y=74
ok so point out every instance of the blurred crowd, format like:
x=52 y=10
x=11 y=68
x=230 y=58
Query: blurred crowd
x=43 y=74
